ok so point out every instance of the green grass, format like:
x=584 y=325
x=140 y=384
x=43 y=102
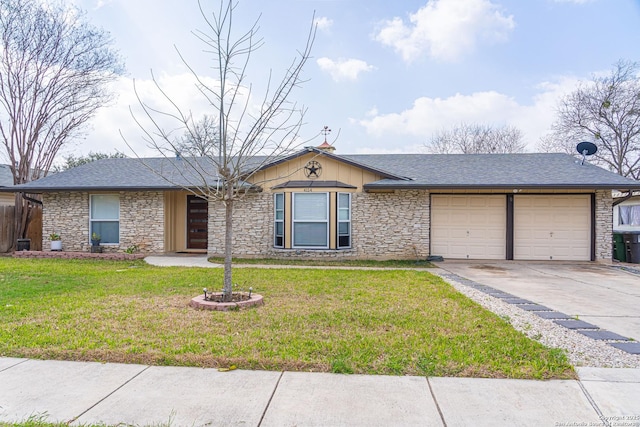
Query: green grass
x=403 y=263
x=42 y=420
x=401 y=322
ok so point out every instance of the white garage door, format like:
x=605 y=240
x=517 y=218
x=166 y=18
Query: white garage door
x=552 y=227
x=468 y=226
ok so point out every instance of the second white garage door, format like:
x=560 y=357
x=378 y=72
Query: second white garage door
x=556 y=227
x=468 y=226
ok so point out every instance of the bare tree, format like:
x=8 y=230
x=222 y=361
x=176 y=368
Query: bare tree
x=605 y=110
x=54 y=71
x=476 y=138
x=250 y=136
x=201 y=140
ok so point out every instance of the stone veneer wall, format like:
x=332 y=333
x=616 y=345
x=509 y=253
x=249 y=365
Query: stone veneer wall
x=604 y=225
x=391 y=225
x=384 y=226
x=141 y=221
x=252 y=226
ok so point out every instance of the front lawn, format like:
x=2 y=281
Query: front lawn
x=350 y=321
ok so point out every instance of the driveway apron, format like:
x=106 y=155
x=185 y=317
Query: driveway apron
x=602 y=295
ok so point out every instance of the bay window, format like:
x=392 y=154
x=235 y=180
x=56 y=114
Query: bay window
x=311 y=220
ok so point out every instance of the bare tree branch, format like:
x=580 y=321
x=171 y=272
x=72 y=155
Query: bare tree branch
x=605 y=110
x=246 y=136
x=54 y=73
x=477 y=138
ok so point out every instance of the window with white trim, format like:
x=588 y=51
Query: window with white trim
x=626 y=216
x=104 y=217
x=629 y=215
x=278 y=226
x=344 y=220
x=310 y=220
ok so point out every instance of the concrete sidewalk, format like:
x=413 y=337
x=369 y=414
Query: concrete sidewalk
x=92 y=393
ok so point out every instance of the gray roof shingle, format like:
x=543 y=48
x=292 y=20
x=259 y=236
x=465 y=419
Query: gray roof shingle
x=6 y=177
x=529 y=170
x=526 y=170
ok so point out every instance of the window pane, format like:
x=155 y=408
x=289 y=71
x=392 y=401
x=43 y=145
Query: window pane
x=343 y=200
x=310 y=234
x=343 y=228
x=279 y=215
x=279 y=201
x=109 y=231
x=310 y=206
x=629 y=215
x=343 y=214
x=279 y=228
x=105 y=206
x=344 y=241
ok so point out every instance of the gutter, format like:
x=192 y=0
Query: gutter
x=622 y=199
x=374 y=186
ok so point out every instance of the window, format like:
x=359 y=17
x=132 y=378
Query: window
x=311 y=220
x=105 y=217
x=278 y=225
x=629 y=215
x=344 y=220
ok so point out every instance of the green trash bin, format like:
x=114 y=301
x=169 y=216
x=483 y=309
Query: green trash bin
x=619 y=249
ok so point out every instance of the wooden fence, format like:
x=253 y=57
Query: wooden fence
x=7 y=214
x=34 y=229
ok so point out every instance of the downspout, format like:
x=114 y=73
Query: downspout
x=32 y=200
x=622 y=199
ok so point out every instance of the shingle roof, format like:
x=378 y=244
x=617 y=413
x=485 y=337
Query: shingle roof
x=422 y=170
x=526 y=170
x=6 y=177
x=122 y=174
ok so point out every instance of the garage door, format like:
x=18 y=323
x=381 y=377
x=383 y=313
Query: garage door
x=552 y=227
x=468 y=226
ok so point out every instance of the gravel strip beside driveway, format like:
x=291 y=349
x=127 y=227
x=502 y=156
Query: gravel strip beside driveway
x=581 y=350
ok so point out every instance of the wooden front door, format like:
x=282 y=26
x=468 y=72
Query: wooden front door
x=197 y=222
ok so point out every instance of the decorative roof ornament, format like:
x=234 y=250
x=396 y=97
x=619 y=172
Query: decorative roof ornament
x=325 y=146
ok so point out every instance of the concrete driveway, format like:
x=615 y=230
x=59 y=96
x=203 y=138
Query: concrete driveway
x=605 y=296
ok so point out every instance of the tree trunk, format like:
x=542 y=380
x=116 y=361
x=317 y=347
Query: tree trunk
x=228 y=248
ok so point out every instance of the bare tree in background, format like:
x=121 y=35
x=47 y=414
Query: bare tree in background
x=476 y=138
x=54 y=72
x=605 y=110
x=249 y=136
x=73 y=161
x=201 y=140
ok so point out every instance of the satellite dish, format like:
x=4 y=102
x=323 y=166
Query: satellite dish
x=586 y=148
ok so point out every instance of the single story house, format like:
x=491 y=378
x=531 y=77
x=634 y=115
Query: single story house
x=6 y=180
x=318 y=204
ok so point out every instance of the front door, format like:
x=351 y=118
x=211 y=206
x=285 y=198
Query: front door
x=197 y=222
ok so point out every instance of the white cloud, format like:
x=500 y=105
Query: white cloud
x=323 y=23
x=102 y=3
x=429 y=115
x=446 y=29
x=344 y=69
x=574 y=1
x=110 y=121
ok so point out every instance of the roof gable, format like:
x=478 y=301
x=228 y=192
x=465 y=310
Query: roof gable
x=343 y=159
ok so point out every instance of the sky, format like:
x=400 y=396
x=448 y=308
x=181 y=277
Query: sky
x=384 y=75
